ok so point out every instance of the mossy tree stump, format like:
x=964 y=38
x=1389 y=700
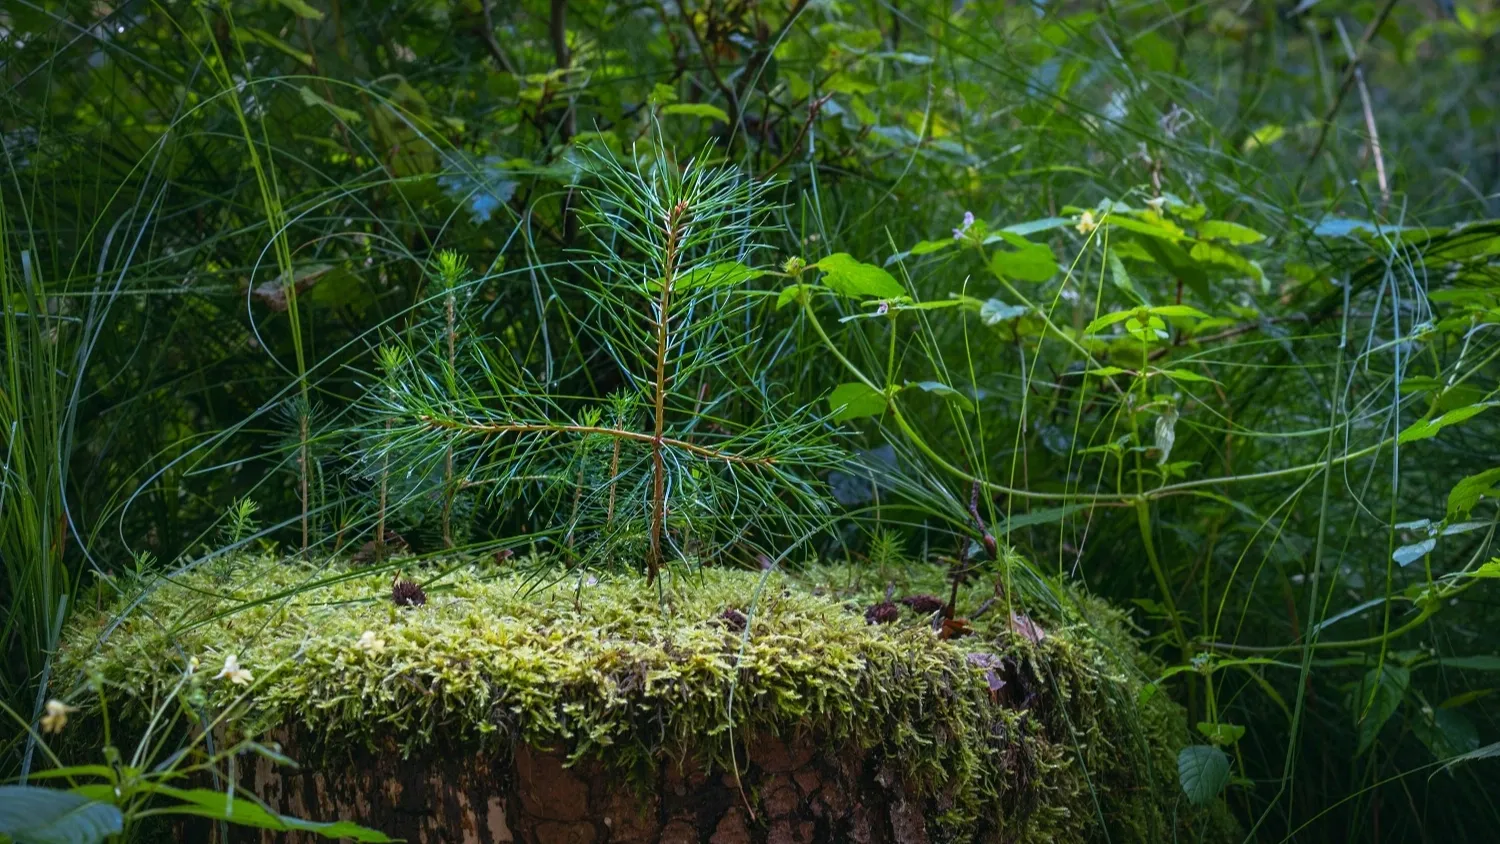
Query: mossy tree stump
x=731 y=707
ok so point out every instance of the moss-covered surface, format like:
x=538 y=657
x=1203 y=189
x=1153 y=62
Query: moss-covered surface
x=612 y=669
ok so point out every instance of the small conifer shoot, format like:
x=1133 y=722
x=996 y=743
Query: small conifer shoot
x=686 y=454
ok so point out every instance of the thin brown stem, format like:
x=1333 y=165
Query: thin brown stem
x=673 y=226
x=450 y=308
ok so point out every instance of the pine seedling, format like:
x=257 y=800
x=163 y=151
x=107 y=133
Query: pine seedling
x=693 y=457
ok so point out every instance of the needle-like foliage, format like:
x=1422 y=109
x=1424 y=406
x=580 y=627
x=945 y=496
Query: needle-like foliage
x=692 y=456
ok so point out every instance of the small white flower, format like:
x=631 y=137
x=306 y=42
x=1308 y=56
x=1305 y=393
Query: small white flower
x=193 y=664
x=57 y=716
x=1157 y=203
x=233 y=672
x=1086 y=222
x=369 y=643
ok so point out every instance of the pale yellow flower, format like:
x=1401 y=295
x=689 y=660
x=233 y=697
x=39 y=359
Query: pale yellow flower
x=233 y=672
x=1157 y=203
x=57 y=716
x=368 y=642
x=1086 y=222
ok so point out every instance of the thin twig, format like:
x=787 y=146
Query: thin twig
x=1364 y=101
x=1344 y=86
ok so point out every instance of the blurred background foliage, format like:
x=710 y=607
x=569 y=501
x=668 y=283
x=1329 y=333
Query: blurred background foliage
x=213 y=213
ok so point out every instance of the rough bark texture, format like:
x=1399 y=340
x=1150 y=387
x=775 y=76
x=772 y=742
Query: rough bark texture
x=800 y=793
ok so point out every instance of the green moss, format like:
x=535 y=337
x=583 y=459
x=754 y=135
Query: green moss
x=614 y=669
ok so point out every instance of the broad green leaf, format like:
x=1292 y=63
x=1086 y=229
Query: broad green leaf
x=1184 y=375
x=1203 y=771
x=1264 y=136
x=855 y=400
x=1376 y=699
x=790 y=294
x=208 y=803
x=32 y=815
x=1425 y=428
x=1107 y=320
x=311 y=98
x=1221 y=734
x=927 y=247
x=1208 y=253
x=301 y=9
x=1120 y=277
x=1178 y=311
x=1490 y=569
x=1158 y=228
x=1489 y=751
x=1031 y=262
x=1035 y=226
x=1480 y=662
x=712 y=112
x=848 y=277
x=1448 y=733
x=1232 y=232
x=994 y=311
x=1467 y=493
x=1408 y=554
x=938 y=388
x=726 y=274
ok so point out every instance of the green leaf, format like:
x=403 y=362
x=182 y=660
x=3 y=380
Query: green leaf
x=938 y=388
x=1232 y=232
x=1184 y=375
x=726 y=274
x=1031 y=262
x=1376 y=699
x=855 y=400
x=1408 y=554
x=208 y=803
x=712 y=112
x=1448 y=733
x=1203 y=771
x=790 y=294
x=32 y=815
x=848 y=277
x=311 y=98
x=1426 y=428
x=994 y=311
x=1207 y=253
x=1110 y=371
x=1221 y=734
x=1178 y=311
x=1468 y=492
x=302 y=10
x=1121 y=277
x=1034 y=226
x=927 y=247
x=1264 y=136
x=1107 y=320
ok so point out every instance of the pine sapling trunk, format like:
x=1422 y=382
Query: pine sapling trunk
x=380 y=516
x=303 y=468
x=658 y=468
x=448 y=491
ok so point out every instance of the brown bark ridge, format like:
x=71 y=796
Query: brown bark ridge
x=789 y=792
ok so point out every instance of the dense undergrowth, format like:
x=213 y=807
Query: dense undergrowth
x=1192 y=306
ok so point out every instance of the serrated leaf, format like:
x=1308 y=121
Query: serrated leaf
x=855 y=400
x=1221 y=734
x=1232 y=232
x=1203 y=771
x=938 y=388
x=1426 y=428
x=1467 y=493
x=32 y=815
x=712 y=112
x=1031 y=262
x=848 y=277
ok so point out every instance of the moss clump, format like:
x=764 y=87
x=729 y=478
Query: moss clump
x=609 y=668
